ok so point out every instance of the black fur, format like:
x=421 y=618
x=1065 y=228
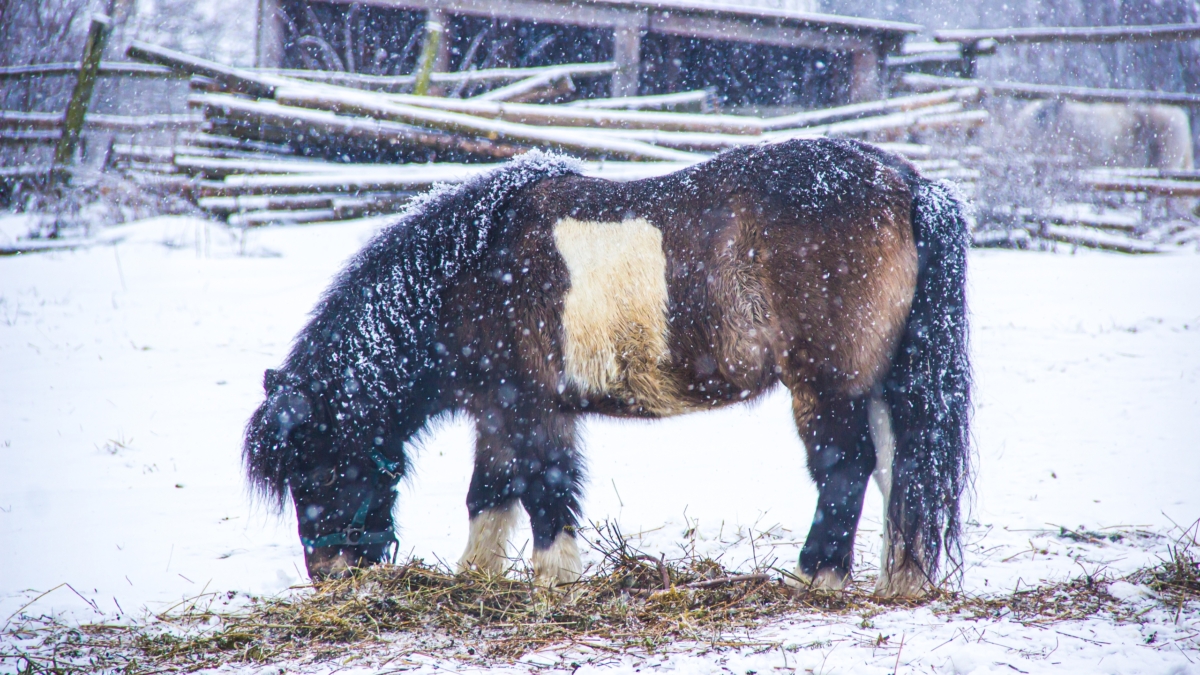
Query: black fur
x=929 y=386
x=357 y=378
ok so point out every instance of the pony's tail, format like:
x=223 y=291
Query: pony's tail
x=928 y=392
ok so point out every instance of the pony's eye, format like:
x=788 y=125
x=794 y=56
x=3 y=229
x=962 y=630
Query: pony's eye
x=332 y=477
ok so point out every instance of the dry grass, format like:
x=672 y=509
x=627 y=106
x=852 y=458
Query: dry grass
x=631 y=603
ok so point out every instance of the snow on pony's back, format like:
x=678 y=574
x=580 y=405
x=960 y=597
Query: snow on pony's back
x=368 y=341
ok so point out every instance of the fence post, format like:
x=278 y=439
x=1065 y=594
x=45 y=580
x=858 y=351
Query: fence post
x=429 y=52
x=89 y=67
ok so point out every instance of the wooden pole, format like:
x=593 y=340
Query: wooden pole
x=396 y=83
x=866 y=75
x=627 y=53
x=429 y=53
x=1034 y=91
x=328 y=127
x=81 y=97
x=270 y=36
x=459 y=124
x=566 y=116
x=1084 y=34
x=696 y=101
x=541 y=87
x=236 y=79
x=860 y=110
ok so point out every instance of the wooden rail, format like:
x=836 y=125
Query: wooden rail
x=1086 y=34
x=1029 y=90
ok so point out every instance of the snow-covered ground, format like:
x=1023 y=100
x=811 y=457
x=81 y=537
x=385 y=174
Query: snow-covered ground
x=128 y=370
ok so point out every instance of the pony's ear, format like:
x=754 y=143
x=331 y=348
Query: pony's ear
x=286 y=409
x=272 y=380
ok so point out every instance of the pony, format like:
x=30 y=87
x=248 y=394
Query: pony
x=1109 y=134
x=532 y=296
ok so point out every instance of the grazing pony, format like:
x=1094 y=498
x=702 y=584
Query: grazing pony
x=531 y=296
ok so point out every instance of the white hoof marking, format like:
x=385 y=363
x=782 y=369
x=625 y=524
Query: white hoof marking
x=558 y=565
x=487 y=546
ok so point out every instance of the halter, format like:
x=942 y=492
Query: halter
x=354 y=535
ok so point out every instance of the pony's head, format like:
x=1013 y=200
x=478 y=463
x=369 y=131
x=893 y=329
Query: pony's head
x=342 y=484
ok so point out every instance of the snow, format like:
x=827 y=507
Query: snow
x=130 y=368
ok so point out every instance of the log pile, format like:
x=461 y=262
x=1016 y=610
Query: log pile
x=1122 y=228
x=305 y=146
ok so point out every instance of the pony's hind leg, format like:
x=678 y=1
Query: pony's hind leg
x=841 y=459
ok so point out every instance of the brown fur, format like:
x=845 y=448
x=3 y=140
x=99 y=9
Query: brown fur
x=763 y=283
x=758 y=291
x=531 y=296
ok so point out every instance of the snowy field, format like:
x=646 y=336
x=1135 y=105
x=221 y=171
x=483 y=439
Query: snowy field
x=128 y=371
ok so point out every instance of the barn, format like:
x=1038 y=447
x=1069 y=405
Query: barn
x=757 y=58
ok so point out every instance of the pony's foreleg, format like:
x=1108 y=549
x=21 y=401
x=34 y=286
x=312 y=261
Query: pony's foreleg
x=548 y=479
x=491 y=501
x=841 y=458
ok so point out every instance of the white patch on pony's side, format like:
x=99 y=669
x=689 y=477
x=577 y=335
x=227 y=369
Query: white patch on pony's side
x=615 y=313
x=559 y=564
x=487 y=545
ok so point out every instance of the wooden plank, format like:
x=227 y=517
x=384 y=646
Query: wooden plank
x=81 y=96
x=1089 y=34
x=1082 y=236
x=282 y=217
x=757 y=32
x=10 y=119
x=618 y=12
x=217 y=167
x=627 y=53
x=569 y=140
x=142 y=153
x=945 y=114
x=318 y=123
x=395 y=178
x=577 y=13
x=107 y=69
x=759 y=12
x=1088 y=215
x=696 y=101
x=1176 y=174
x=524 y=113
x=30 y=136
x=216 y=141
x=1027 y=90
x=539 y=87
x=860 y=110
x=237 y=79
x=226 y=205
x=396 y=83
x=1154 y=186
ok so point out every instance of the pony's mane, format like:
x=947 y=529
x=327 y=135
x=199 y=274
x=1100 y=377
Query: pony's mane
x=371 y=335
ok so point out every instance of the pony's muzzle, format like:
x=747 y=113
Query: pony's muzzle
x=336 y=562
x=329 y=563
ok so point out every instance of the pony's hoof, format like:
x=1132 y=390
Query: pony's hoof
x=558 y=565
x=902 y=583
x=825 y=580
